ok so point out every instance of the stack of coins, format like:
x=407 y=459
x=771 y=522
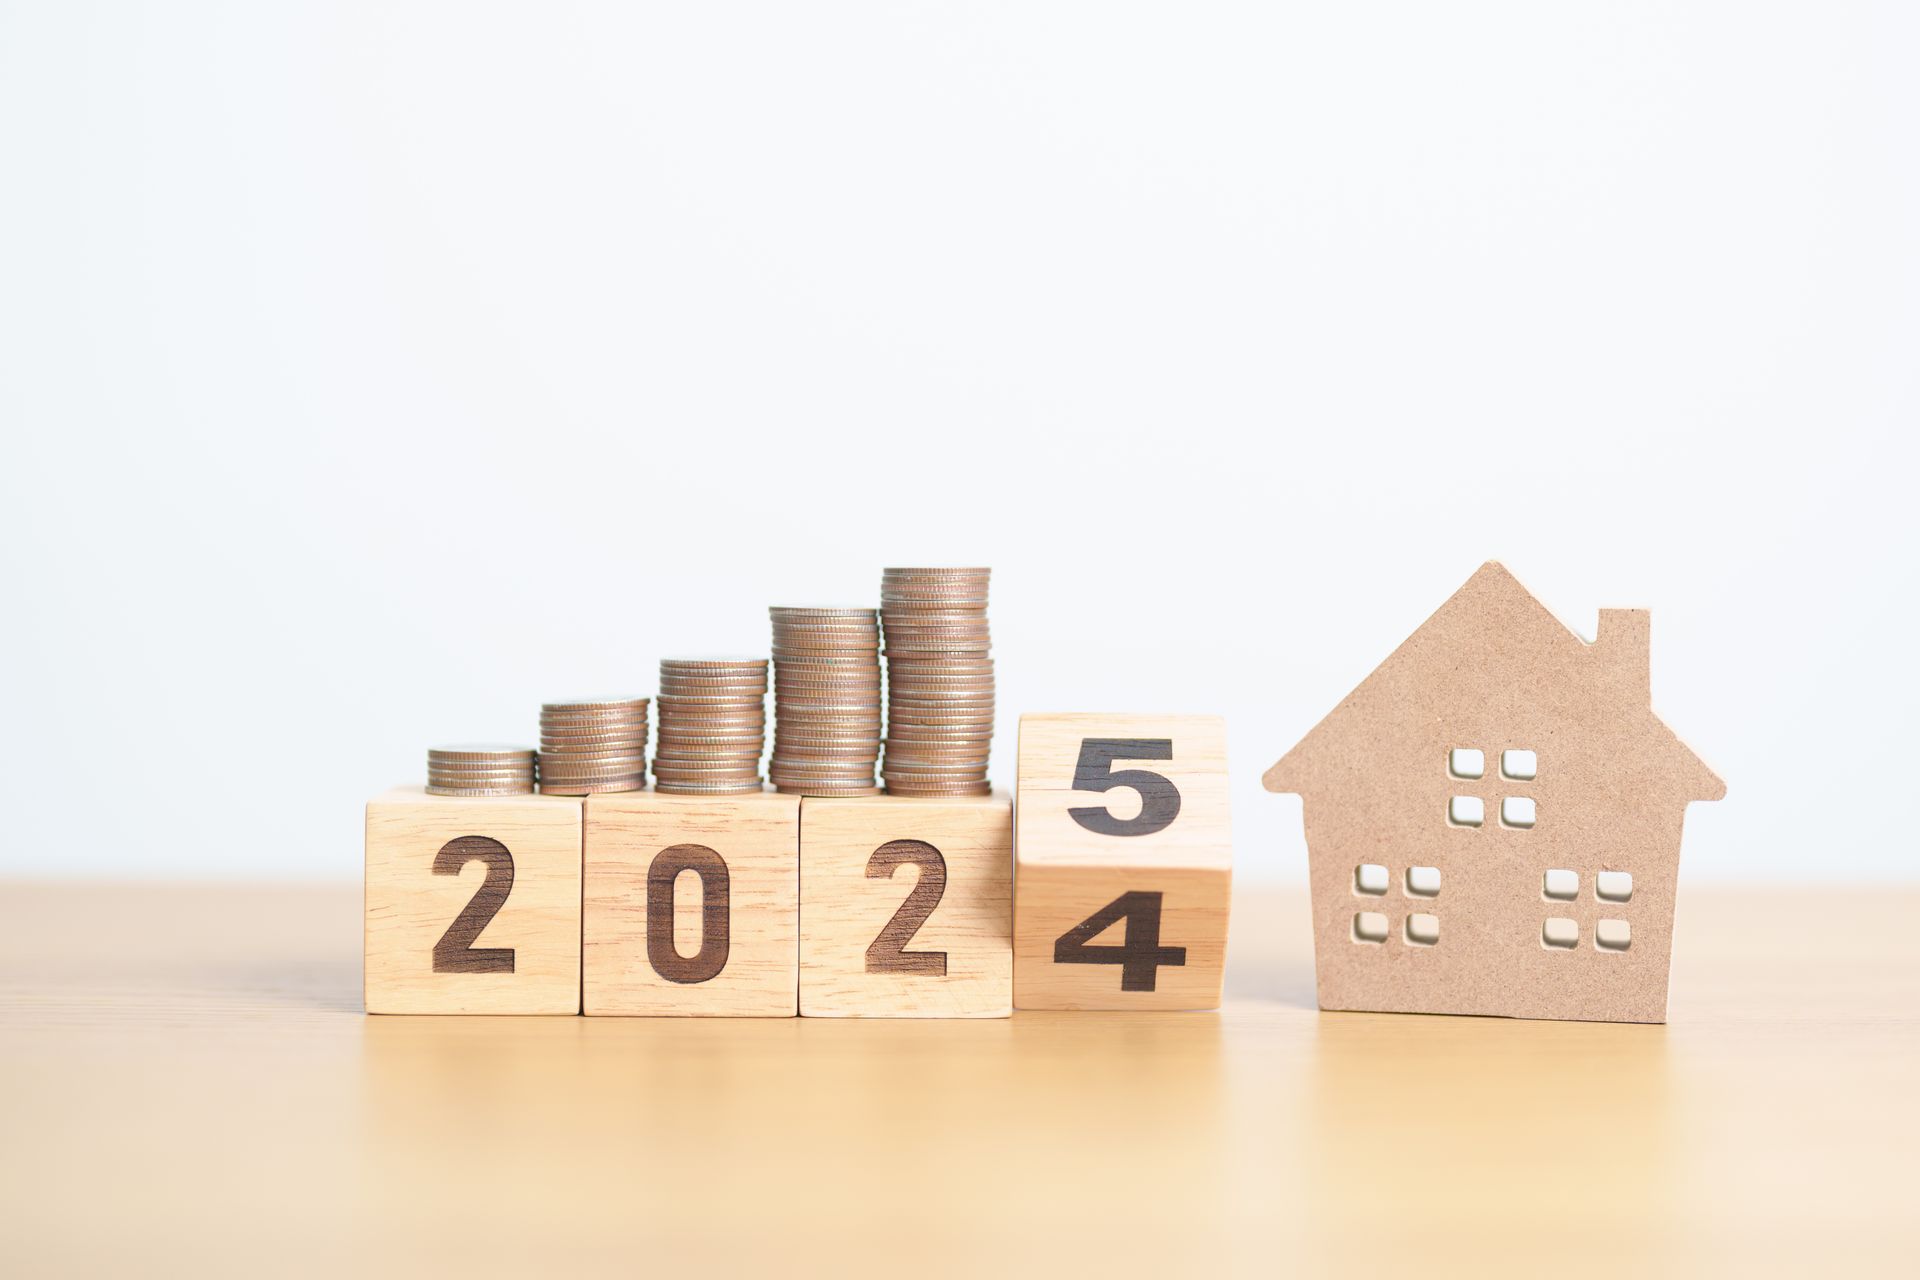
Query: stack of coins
x=713 y=724
x=826 y=699
x=589 y=745
x=483 y=769
x=939 y=682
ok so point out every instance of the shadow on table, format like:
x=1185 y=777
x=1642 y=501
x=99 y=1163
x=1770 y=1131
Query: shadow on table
x=1288 y=983
x=332 y=986
x=1270 y=950
x=1410 y=1118
x=316 y=986
x=648 y=1127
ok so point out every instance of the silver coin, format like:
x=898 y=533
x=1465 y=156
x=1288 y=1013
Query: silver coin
x=593 y=788
x=577 y=740
x=935 y=573
x=842 y=771
x=716 y=666
x=584 y=764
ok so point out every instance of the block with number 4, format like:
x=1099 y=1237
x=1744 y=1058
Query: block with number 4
x=1124 y=856
x=472 y=904
x=906 y=907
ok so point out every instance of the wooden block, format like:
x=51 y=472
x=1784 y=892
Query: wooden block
x=472 y=904
x=906 y=907
x=1125 y=862
x=692 y=905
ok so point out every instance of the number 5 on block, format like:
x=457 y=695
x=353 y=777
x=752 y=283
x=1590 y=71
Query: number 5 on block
x=1124 y=862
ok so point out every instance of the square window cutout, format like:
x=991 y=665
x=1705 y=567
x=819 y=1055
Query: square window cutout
x=1466 y=811
x=1561 y=884
x=1369 y=926
x=1466 y=762
x=1521 y=766
x=1614 y=886
x=1516 y=811
x=1423 y=930
x=1423 y=882
x=1561 y=932
x=1612 y=935
x=1370 y=877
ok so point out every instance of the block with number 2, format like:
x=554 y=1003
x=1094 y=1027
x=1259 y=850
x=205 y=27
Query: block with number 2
x=906 y=907
x=1124 y=862
x=472 y=903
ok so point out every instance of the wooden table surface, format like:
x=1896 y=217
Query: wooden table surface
x=187 y=1081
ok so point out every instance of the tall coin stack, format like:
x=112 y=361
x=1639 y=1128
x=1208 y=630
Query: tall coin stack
x=713 y=725
x=593 y=744
x=939 y=682
x=826 y=697
x=479 y=770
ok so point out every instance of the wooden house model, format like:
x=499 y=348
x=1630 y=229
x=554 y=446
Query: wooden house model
x=1493 y=819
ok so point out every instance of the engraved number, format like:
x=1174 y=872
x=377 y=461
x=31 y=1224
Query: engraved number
x=1159 y=798
x=715 y=913
x=455 y=952
x=1139 y=957
x=887 y=953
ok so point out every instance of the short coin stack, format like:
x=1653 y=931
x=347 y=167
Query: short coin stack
x=482 y=769
x=590 y=745
x=826 y=697
x=713 y=725
x=939 y=682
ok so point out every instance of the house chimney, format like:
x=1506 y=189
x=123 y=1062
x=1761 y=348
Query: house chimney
x=1622 y=650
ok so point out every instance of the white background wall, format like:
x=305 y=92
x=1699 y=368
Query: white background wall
x=371 y=372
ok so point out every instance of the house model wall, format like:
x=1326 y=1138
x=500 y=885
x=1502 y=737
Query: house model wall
x=1493 y=819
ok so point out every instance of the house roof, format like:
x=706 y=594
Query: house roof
x=1493 y=623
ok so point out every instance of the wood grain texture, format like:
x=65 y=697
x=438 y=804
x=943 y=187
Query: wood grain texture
x=758 y=838
x=188 y=1086
x=1068 y=870
x=411 y=905
x=845 y=909
x=1491 y=671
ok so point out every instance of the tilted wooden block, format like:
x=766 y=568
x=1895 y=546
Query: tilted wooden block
x=1125 y=862
x=472 y=904
x=692 y=905
x=906 y=907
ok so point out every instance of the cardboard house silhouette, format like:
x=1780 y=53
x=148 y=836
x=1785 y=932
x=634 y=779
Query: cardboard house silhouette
x=1493 y=819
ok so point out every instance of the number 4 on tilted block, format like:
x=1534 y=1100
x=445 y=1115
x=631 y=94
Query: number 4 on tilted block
x=1124 y=862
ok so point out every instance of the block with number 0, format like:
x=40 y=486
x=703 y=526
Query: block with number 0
x=1124 y=854
x=692 y=905
x=472 y=904
x=906 y=907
